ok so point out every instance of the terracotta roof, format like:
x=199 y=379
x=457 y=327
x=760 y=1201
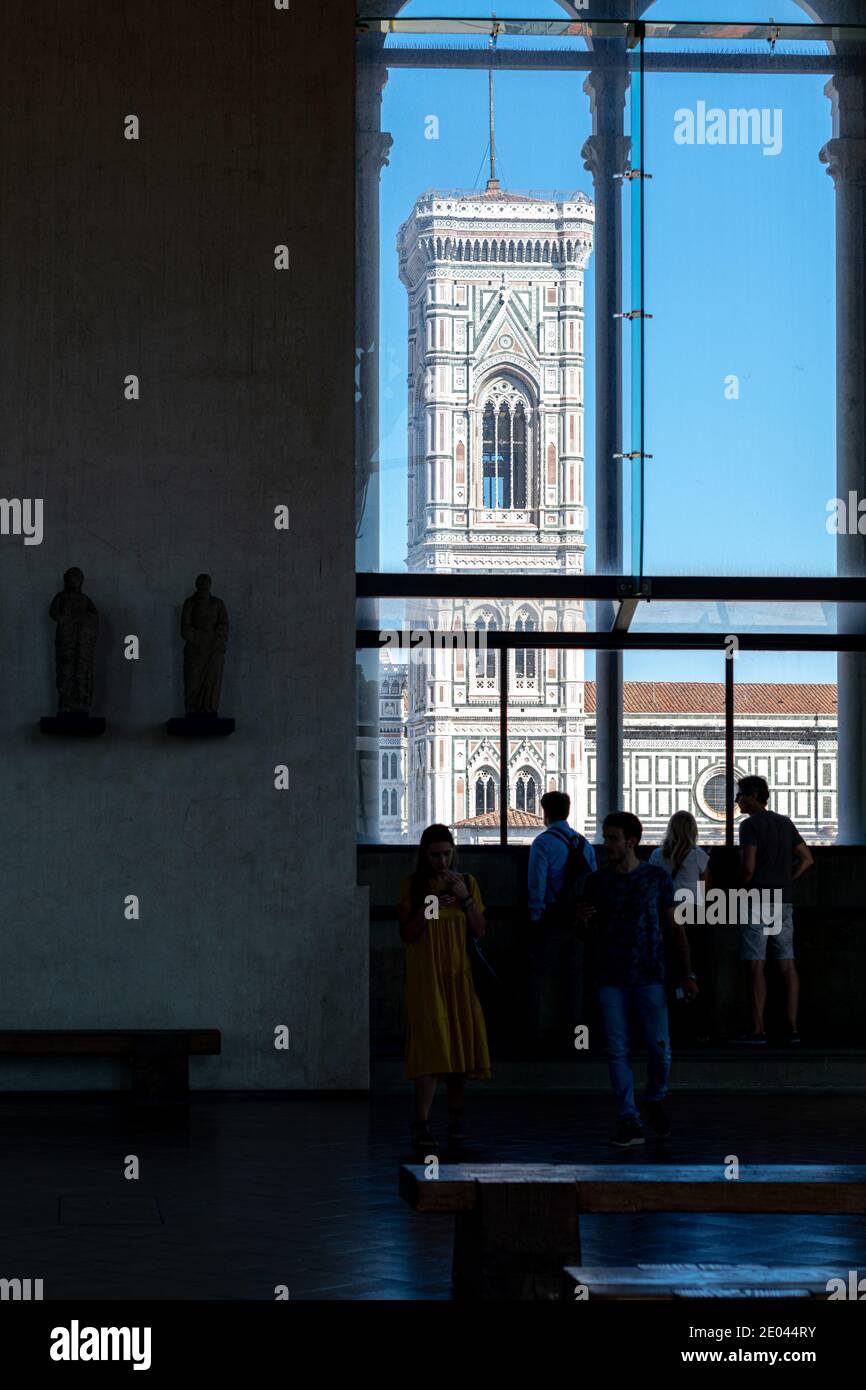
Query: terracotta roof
x=708 y=697
x=490 y=821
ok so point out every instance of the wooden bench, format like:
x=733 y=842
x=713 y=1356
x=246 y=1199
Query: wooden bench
x=613 y=1284
x=518 y=1225
x=159 y=1056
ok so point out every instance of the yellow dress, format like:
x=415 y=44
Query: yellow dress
x=445 y=1029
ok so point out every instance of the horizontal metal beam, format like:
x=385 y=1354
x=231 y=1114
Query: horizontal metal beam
x=638 y=641
x=699 y=588
x=565 y=60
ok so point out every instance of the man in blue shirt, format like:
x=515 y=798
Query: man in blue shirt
x=629 y=904
x=556 y=947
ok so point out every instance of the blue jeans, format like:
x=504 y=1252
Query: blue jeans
x=648 y=1004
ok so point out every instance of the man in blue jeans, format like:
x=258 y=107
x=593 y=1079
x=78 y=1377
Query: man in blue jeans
x=629 y=904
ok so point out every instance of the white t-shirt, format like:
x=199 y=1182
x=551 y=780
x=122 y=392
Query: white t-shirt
x=690 y=870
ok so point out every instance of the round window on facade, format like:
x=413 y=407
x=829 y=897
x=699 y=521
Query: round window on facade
x=710 y=791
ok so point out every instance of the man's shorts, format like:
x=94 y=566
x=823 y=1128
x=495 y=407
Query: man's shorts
x=758 y=938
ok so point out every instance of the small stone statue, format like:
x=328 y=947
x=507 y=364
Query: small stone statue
x=204 y=626
x=74 y=644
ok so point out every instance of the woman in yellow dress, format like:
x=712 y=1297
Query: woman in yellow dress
x=445 y=1034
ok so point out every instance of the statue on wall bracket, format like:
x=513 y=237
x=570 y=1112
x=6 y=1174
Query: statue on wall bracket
x=74 y=656
x=204 y=627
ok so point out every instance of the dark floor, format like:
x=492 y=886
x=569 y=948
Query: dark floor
x=258 y=1192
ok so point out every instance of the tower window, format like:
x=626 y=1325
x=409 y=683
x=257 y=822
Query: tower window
x=485 y=794
x=485 y=657
x=503 y=455
x=525 y=793
x=524 y=660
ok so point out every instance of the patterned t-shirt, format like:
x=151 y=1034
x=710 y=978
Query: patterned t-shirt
x=628 y=927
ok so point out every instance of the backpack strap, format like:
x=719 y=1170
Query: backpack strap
x=576 y=842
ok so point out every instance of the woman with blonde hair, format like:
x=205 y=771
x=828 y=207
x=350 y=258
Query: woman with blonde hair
x=445 y=1034
x=679 y=852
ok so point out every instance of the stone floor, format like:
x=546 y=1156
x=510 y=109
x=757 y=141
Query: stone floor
x=255 y=1191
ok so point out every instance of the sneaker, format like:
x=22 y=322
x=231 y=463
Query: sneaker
x=657 y=1118
x=628 y=1133
x=793 y=1038
x=753 y=1039
x=422 y=1138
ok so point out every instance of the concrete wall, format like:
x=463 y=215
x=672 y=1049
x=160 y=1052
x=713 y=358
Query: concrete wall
x=156 y=257
x=830 y=947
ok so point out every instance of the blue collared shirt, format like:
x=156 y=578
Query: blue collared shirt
x=547 y=860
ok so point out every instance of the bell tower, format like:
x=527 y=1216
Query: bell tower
x=495 y=284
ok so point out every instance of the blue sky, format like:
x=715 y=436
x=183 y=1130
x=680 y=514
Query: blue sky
x=739 y=254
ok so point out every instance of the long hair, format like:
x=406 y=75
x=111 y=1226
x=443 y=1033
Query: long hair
x=421 y=876
x=681 y=836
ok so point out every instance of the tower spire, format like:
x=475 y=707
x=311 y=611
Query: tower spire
x=493 y=182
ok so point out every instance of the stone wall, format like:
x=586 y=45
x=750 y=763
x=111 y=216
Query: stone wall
x=155 y=257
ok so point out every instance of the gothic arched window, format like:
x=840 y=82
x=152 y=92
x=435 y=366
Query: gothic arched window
x=504 y=449
x=485 y=793
x=384 y=764
x=384 y=803
x=394 y=810
x=526 y=797
x=524 y=659
x=485 y=657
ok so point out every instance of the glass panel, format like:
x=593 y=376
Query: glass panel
x=731 y=345
x=428 y=744
x=428 y=739
x=476 y=289
x=785 y=731
x=674 y=741
x=737 y=617
x=739 y=373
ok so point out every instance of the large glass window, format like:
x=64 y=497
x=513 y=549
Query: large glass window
x=600 y=270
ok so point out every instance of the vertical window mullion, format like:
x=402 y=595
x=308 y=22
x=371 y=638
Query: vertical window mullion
x=729 y=751
x=503 y=746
